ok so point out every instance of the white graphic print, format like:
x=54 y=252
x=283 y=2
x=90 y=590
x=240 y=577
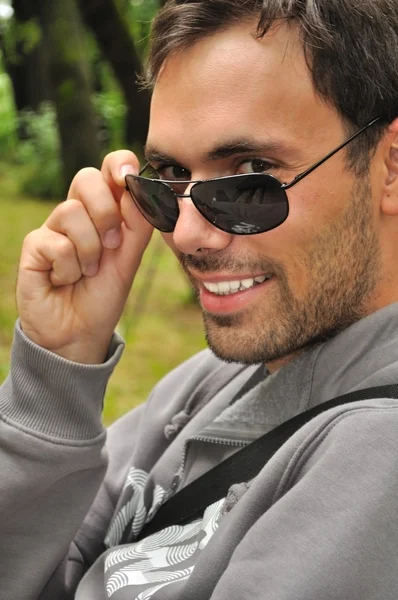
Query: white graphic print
x=134 y=508
x=159 y=560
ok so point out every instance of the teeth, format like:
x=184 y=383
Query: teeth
x=247 y=283
x=225 y=288
x=212 y=287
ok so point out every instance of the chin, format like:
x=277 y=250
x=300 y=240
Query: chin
x=233 y=346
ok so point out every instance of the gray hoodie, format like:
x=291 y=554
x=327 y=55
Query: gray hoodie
x=318 y=522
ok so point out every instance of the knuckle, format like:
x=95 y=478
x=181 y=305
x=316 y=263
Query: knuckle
x=70 y=207
x=63 y=210
x=65 y=249
x=84 y=179
x=63 y=214
x=86 y=174
x=31 y=239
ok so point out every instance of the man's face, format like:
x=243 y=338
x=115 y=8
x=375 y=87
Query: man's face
x=234 y=104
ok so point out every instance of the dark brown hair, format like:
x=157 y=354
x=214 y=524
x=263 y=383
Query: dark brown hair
x=351 y=48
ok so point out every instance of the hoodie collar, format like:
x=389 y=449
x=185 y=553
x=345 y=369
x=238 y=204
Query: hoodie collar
x=363 y=355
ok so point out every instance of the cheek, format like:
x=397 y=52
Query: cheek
x=315 y=207
x=305 y=217
x=297 y=232
x=293 y=245
x=168 y=239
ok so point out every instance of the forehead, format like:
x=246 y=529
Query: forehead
x=231 y=85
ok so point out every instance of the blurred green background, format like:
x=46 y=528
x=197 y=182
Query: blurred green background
x=68 y=96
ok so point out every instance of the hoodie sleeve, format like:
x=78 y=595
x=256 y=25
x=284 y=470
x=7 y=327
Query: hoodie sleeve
x=52 y=463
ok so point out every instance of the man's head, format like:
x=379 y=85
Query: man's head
x=242 y=87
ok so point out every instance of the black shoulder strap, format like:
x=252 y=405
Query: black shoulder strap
x=245 y=464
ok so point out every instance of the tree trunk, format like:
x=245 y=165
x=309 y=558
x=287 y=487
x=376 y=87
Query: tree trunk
x=117 y=47
x=27 y=62
x=70 y=77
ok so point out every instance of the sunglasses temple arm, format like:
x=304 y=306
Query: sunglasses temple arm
x=317 y=164
x=332 y=153
x=143 y=169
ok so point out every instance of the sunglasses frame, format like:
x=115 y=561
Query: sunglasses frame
x=284 y=186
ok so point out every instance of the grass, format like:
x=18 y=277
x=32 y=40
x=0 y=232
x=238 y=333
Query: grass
x=161 y=325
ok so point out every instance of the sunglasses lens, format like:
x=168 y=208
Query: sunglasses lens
x=156 y=202
x=242 y=205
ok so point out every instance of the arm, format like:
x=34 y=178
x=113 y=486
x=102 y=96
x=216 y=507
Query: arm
x=73 y=282
x=52 y=461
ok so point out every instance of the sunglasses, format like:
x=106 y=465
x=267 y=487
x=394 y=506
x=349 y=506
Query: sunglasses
x=238 y=204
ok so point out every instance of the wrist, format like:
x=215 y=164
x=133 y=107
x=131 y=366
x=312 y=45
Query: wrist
x=84 y=352
x=53 y=396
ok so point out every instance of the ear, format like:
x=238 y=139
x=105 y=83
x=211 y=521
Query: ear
x=390 y=187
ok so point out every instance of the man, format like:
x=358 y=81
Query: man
x=301 y=278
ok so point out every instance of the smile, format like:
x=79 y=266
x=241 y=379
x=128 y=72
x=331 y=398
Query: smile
x=227 y=288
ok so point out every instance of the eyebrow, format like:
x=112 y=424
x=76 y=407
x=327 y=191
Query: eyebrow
x=226 y=150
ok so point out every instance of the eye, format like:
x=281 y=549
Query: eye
x=255 y=165
x=173 y=173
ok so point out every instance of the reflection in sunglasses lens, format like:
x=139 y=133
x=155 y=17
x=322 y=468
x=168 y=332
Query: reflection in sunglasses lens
x=247 y=206
x=237 y=205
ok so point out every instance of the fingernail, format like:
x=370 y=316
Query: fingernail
x=91 y=270
x=112 y=239
x=127 y=170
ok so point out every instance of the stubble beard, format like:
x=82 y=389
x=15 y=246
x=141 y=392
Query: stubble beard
x=342 y=267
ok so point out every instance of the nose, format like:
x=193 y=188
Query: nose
x=193 y=234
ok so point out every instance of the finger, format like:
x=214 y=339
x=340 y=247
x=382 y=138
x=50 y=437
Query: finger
x=66 y=268
x=133 y=218
x=90 y=188
x=51 y=256
x=72 y=220
x=115 y=167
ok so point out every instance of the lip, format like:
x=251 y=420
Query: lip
x=233 y=303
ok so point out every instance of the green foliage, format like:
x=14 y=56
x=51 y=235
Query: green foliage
x=40 y=153
x=67 y=90
x=110 y=107
x=8 y=118
x=20 y=38
x=138 y=15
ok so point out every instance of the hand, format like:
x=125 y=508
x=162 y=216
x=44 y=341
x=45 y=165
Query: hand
x=76 y=271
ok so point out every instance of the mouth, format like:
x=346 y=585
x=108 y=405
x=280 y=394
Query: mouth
x=229 y=288
x=229 y=295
